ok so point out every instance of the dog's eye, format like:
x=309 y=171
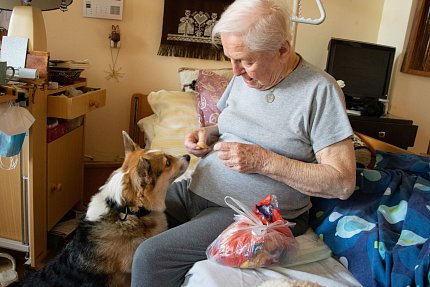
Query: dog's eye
x=167 y=162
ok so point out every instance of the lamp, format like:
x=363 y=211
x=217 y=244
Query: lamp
x=27 y=20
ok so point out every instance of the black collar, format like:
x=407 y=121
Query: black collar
x=142 y=211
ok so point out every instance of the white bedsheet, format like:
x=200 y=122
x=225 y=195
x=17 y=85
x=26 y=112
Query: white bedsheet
x=314 y=263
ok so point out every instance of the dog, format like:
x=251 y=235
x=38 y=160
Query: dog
x=127 y=209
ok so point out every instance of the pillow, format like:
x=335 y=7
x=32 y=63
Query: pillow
x=188 y=76
x=174 y=109
x=172 y=141
x=175 y=115
x=209 y=87
x=146 y=125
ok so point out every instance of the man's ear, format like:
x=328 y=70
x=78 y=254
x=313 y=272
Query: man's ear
x=285 y=50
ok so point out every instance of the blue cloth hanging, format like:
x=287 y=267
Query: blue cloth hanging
x=11 y=145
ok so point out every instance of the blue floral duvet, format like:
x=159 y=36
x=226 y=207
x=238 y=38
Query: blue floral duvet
x=381 y=233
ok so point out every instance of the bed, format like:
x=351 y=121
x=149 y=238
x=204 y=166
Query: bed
x=377 y=237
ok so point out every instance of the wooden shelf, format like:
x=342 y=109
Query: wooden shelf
x=53 y=178
x=77 y=84
x=7 y=93
x=7 y=98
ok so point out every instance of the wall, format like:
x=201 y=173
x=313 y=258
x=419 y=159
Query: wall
x=410 y=96
x=71 y=36
x=359 y=21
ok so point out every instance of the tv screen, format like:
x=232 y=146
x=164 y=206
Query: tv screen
x=364 y=67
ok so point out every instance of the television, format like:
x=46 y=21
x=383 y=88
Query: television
x=365 y=68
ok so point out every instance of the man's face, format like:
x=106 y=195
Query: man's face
x=260 y=70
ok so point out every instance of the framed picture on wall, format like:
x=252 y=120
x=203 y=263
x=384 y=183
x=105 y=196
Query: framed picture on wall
x=417 y=56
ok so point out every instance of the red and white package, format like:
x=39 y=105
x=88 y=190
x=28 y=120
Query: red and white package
x=256 y=239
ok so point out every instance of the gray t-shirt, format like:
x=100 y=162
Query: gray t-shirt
x=306 y=115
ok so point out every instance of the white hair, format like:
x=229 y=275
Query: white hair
x=263 y=24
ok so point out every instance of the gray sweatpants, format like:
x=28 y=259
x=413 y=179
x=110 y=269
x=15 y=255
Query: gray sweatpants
x=194 y=222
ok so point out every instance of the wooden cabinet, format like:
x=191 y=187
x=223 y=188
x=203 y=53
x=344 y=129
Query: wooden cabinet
x=48 y=179
x=11 y=217
x=65 y=175
x=390 y=129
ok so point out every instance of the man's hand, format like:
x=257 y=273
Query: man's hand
x=244 y=158
x=200 y=141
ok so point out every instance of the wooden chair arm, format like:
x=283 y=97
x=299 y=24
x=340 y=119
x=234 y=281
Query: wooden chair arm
x=375 y=144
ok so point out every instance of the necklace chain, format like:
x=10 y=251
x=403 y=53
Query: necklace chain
x=270 y=96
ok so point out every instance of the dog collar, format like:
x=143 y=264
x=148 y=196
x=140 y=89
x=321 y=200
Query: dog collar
x=126 y=210
x=142 y=211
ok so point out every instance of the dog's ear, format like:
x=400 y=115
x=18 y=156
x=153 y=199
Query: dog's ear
x=129 y=144
x=144 y=169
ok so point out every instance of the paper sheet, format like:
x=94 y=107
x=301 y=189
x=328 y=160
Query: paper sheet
x=14 y=51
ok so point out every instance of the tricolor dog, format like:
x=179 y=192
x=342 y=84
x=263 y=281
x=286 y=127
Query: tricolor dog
x=128 y=209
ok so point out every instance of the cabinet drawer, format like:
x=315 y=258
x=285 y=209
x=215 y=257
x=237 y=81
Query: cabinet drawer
x=400 y=135
x=71 y=107
x=65 y=175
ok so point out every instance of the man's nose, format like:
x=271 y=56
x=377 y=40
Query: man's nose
x=237 y=68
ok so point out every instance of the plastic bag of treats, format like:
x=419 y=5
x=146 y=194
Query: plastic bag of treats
x=256 y=239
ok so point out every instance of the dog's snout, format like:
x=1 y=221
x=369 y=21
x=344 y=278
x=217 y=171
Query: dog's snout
x=187 y=157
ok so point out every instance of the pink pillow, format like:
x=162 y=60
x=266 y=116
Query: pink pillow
x=209 y=87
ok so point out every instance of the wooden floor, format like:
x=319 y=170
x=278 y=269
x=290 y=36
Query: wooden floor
x=96 y=175
x=55 y=245
x=20 y=259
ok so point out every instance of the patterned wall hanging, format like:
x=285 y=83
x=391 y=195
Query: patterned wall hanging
x=187 y=28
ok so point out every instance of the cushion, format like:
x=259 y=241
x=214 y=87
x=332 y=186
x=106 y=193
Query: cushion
x=146 y=125
x=175 y=115
x=363 y=154
x=174 y=109
x=209 y=87
x=188 y=76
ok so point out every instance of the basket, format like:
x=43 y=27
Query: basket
x=64 y=76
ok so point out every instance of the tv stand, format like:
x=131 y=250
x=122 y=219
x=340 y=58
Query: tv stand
x=370 y=107
x=388 y=128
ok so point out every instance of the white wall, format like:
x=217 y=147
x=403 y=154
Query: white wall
x=346 y=19
x=409 y=94
x=71 y=36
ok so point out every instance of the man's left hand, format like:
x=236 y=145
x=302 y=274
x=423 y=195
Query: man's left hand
x=244 y=158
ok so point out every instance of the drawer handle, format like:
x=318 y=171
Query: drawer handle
x=381 y=135
x=93 y=103
x=56 y=187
